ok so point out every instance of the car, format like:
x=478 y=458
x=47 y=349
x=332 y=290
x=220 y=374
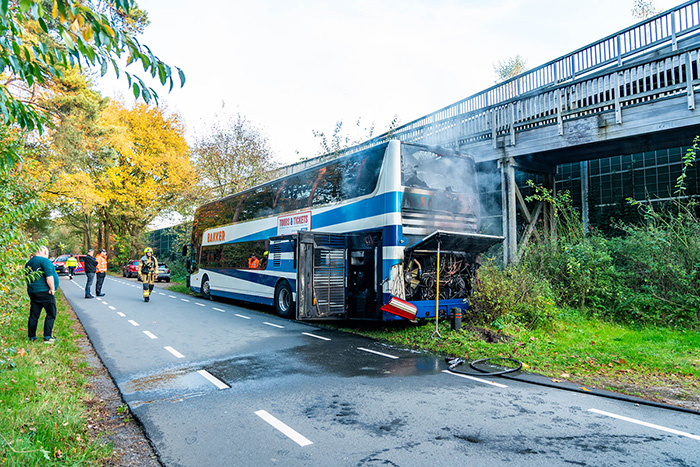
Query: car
x=60 y=264
x=131 y=269
x=163 y=273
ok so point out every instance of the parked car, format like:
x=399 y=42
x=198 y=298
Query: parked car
x=60 y=264
x=131 y=269
x=163 y=273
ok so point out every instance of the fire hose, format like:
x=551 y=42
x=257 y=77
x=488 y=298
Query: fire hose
x=453 y=363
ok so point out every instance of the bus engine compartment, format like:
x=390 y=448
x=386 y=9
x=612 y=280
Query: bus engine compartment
x=444 y=265
x=458 y=275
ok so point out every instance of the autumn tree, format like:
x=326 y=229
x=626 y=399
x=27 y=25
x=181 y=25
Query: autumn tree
x=41 y=39
x=232 y=156
x=149 y=172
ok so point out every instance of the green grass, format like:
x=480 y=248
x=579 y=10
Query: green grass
x=44 y=409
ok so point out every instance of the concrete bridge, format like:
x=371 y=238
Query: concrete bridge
x=629 y=92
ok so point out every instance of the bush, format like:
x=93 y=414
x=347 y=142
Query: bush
x=510 y=296
x=648 y=275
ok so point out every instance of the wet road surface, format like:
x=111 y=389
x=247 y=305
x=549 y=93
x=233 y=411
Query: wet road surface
x=218 y=384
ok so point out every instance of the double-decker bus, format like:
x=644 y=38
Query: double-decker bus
x=388 y=233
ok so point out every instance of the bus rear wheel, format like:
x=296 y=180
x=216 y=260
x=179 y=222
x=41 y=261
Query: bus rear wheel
x=284 y=304
x=206 y=288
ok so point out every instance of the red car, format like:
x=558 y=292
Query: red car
x=131 y=269
x=60 y=264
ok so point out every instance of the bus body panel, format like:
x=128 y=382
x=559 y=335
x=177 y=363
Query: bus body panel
x=406 y=203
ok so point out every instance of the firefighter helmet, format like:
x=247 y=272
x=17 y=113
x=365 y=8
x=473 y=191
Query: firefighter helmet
x=148 y=250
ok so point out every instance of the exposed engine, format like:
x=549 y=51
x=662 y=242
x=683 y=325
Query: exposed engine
x=458 y=275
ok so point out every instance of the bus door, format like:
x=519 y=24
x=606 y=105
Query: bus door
x=364 y=275
x=321 y=276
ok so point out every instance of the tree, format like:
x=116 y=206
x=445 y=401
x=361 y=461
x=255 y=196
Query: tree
x=150 y=171
x=232 y=156
x=509 y=68
x=18 y=204
x=643 y=9
x=39 y=44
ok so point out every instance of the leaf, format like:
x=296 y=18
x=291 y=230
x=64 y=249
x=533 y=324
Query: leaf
x=67 y=39
x=136 y=90
x=3 y=7
x=24 y=5
x=182 y=76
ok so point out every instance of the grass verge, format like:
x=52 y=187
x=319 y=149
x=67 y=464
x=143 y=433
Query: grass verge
x=44 y=403
x=655 y=363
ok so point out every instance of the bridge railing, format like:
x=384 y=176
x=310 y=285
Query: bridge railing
x=557 y=90
x=492 y=112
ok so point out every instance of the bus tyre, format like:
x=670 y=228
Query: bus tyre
x=206 y=288
x=284 y=305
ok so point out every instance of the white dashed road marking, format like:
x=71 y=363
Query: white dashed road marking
x=314 y=335
x=200 y=304
x=150 y=334
x=241 y=316
x=219 y=309
x=273 y=325
x=286 y=430
x=111 y=307
x=133 y=322
x=473 y=378
x=184 y=300
x=212 y=379
x=174 y=352
x=377 y=353
x=172 y=296
x=121 y=314
x=647 y=424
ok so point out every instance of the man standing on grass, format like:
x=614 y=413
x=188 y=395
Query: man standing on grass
x=41 y=287
x=101 y=272
x=90 y=265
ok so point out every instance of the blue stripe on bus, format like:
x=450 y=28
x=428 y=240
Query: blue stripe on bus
x=386 y=203
x=250 y=276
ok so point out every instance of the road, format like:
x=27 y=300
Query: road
x=218 y=384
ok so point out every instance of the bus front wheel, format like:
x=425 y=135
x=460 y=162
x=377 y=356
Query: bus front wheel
x=284 y=304
x=206 y=288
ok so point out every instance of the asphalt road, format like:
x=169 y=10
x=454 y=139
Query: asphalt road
x=218 y=384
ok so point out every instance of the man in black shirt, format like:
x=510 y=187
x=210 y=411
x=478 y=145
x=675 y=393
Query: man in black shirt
x=90 y=265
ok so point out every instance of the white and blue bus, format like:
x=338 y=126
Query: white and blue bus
x=388 y=233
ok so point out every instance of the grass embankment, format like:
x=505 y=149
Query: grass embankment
x=656 y=363
x=45 y=404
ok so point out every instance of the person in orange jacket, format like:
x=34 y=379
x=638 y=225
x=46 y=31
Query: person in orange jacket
x=101 y=272
x=253 y=261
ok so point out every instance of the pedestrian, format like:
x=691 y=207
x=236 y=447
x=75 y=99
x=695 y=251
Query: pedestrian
x=253 y=261
x=101 y=272
x=71 y=264
x=41 y=287
x=149 y=272
x=90 y=265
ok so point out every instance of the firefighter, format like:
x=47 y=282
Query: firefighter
x=71 y=264
x=148 y=272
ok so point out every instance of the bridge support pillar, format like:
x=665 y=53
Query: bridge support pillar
x=512 y=200
x=508 y=208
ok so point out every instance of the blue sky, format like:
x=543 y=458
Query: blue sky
x=294 y=67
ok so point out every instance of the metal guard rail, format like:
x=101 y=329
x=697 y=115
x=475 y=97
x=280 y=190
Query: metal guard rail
x=663 y=29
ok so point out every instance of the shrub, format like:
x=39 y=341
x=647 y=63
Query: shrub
x=510 y=296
